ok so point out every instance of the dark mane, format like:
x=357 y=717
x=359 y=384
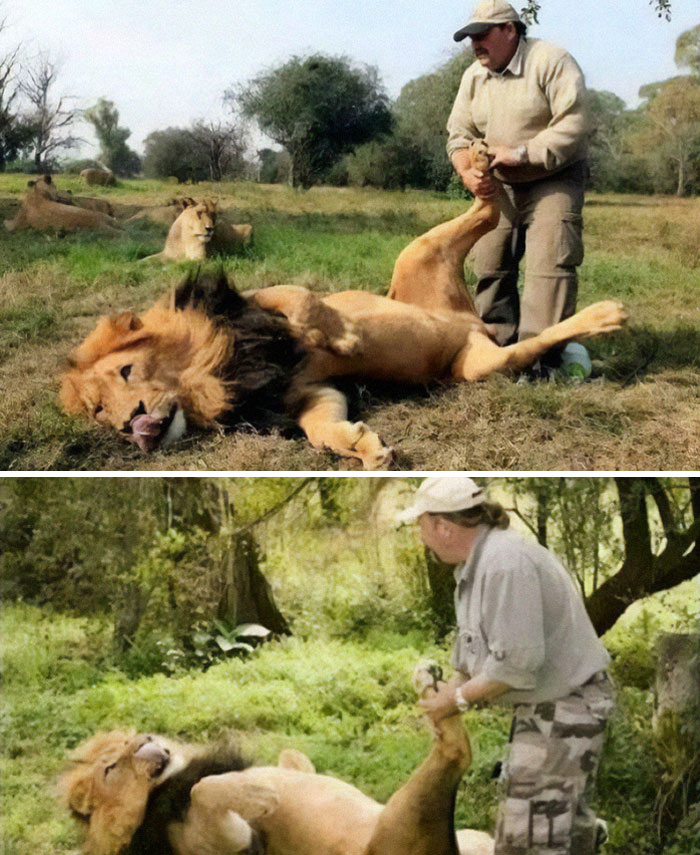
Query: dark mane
x=169 y=802
x=266 y=356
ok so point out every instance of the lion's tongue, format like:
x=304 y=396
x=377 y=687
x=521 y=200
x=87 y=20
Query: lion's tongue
x=146 y=431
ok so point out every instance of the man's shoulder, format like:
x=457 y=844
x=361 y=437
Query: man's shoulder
x=502 y=543
x=539 y=51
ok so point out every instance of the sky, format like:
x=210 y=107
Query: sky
x=168 y=62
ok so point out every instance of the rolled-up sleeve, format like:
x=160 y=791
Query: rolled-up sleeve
x=512 y=622
x=558 y=143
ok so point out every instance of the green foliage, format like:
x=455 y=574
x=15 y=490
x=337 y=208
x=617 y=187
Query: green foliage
x=317 y=107
x=174 y=152
x=346 y=702
x=688 y=50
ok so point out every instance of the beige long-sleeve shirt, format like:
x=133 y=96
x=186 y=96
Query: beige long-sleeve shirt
x=537 y=101
x=522 y=621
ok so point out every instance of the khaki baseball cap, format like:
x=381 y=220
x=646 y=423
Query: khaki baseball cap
x=486 y=14
x=443 y=495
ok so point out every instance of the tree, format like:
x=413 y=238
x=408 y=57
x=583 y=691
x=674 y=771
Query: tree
x=115 y=154
x=623 y=539
x=222 y=146
x=15 y=134
x=688 y=50
x=50 y=120
x=318 y=108
x=612 y=167
x=174 y=152
x=668 y=137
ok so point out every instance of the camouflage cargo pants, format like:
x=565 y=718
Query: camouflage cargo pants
x=549 y=774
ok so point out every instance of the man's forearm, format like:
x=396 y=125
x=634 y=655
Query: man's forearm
x=480 y=688
x=461 y=160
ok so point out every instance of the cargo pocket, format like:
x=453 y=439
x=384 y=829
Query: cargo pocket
x=571 y=241
x=536 y=822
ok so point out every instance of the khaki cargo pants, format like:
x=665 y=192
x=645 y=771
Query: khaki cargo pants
x=543 y=222
x=549 y=774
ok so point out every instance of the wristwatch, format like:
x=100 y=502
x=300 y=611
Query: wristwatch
x=460 y=701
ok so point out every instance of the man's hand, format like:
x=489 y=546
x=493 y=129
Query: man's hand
x=504 y=156
x=441 y=704
x=479 y=183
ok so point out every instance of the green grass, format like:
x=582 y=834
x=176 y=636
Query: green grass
x=346 y=702
x=641 y=411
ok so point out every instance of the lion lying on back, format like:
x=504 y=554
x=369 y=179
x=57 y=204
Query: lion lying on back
x=207 y=357
x=201 y=231
x=148 y=794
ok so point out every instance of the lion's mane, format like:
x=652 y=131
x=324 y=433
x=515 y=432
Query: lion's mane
x=264 y=358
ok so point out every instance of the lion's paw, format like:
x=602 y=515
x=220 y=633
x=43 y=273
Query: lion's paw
x=426 y=675
x=603 y=317
x=370 y=449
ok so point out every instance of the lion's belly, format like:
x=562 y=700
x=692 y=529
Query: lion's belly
x=400 y=342
x=317 y=814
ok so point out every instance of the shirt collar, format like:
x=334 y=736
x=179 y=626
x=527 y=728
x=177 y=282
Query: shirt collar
x=515 y=66
x=464 y=571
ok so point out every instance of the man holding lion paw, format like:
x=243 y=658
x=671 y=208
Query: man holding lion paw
x=524 y=639
x=526 y=98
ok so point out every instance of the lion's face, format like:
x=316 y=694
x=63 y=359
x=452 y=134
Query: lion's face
x=126 y=377
x=109 y=786
x=198 y=220
x=44 y=188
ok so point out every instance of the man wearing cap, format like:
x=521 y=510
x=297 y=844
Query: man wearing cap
x=525 y=640
x=525 y=97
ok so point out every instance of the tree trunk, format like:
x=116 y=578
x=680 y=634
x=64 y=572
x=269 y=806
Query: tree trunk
x=128 y=617
x=442 y=586
x=247 y=595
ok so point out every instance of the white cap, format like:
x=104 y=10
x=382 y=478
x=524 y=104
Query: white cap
x=443 y=495
x=487 y=14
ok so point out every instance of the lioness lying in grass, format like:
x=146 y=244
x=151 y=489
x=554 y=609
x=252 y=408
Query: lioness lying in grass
x=147 y=794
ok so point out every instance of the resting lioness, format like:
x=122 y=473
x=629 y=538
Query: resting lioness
x=153 y=795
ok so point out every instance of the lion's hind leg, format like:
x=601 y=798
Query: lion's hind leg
x=323 y=419
x=315 y=323
x=481 y=357
x=419 y=818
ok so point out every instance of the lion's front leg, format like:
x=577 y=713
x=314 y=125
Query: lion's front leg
x=220 y=818
x=323 y=419
x=316 y=324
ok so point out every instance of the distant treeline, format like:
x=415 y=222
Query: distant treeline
x=335 y=124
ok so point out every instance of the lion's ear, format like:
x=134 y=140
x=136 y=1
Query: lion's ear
x=47 y=179
x=126 y=322
x=69 y=395
x=80 y=797
x=31 y=183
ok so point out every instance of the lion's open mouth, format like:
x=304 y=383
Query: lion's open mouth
x=148 y=431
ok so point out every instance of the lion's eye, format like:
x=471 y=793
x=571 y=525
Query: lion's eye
x=109 y=768
x=98 y=409
x=125 y=371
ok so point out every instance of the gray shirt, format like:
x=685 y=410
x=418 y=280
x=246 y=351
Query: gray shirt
x=522 y=621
